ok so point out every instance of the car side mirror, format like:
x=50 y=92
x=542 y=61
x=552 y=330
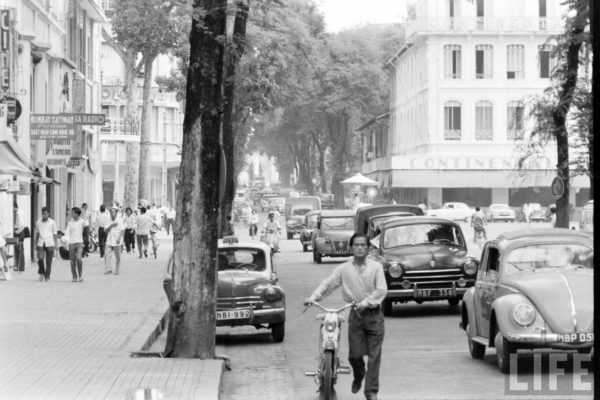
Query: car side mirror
x=375 y=251
x=274 y=277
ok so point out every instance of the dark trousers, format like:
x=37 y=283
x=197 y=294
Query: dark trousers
x=101 y=240
x=168 y=224
x=365 y=338
x=45 y=253
x=19 y=256
x=75 y=255
x=129 y=239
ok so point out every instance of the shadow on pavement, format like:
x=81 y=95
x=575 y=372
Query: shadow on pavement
x=423 y=310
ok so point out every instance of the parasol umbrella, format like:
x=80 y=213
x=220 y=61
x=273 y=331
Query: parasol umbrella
x=359 y=179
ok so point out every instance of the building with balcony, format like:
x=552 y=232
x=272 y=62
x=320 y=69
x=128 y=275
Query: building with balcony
x=458 y=105
x=166 y=130
x=49 y=64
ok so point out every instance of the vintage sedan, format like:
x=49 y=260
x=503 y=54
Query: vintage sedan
x=332 y=234
x=500 y=212
x=455 y=211
x=534 y=289
x=310 y=223
x=368 y=219
x=248 y=292
x=424 y=259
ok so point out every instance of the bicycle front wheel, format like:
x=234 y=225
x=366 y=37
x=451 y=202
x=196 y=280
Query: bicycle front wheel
x=327 y=374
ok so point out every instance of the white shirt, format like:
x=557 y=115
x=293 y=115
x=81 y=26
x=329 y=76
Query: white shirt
x=74 y=230
x=253 y=219
x=47 y=231
x=143 y=223
x=171 y=213
x=19 y=221
x=115 y=232
x=129 y=221
x=103 y=219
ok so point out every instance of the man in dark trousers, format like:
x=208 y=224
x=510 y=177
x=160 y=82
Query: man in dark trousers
x=102 y=221
x=363 y=282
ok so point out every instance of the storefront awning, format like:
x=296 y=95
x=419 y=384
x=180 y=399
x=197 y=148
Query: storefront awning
x=12 y=159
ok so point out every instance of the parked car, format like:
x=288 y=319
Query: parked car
x=295 y=208
x=310 y=223
x=534 y=289
x=455 y=211
x=537 y=213
x=586 y=222
x=368 y=219
x=424 y=259
x=332 y=234
x=500 y=212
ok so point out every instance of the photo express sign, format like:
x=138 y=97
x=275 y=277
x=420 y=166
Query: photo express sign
x=60 y=126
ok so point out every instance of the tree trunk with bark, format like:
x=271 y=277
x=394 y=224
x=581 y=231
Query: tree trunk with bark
x=595 y=31
x=337 y=127
x=194 y=291
x=131 y=127
x=560 y=117
x=233 y=56
x=144 y=164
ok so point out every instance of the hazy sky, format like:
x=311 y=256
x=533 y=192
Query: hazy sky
x=342 y=14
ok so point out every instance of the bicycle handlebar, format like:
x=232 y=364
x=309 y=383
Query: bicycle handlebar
x=330 y=310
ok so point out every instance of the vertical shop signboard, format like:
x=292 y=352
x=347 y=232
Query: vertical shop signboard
x=5 y=50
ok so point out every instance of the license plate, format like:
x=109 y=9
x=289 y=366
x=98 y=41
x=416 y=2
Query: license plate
x=233 y=314
x=341 y=247
x=575 y=337
x=435 y=292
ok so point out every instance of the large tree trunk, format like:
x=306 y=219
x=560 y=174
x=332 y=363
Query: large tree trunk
x=233 y=56
x=595 y=30
x=304 y=167
x=194 y=293
x=131 y=127
x=337 y=127
x=144 y=164
x=560 y=117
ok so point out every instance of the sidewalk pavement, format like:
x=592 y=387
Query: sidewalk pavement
x=65 y=340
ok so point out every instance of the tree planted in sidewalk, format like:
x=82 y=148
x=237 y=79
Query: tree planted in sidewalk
x=192 y=320
x=141 y=30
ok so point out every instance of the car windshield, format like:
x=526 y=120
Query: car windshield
x=312 y=221
x=337 y=223
x=410 y=235
x=552 y=255
x=241 y=259
x=300 y=211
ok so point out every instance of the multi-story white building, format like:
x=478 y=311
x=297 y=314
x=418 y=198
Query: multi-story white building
x=458 y=105
x=166 y=129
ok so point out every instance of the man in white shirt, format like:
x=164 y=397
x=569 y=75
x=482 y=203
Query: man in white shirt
x=143 y=223
x=114 y=239
x=46 y=243
x=20 y=226
x=74 y=232
x=170 y=219
x=102 y=221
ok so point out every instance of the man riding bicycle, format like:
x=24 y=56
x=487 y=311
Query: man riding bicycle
x=477 y=222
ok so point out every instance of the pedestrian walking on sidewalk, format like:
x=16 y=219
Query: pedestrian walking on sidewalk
x=74 y=233
x=170 y=219
x=102 y=221
x=129 y=222
x=86 y=215
x=114 y=240
x=21 y=232
x=363 y=282
x=46 y=240
x=143 y=224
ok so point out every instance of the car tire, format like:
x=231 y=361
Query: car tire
x=454 y=301
x=503 y=351
x=477 y=350
x=290 y=235
x=317 y=257
x=278 y=332
x=388 y=307
x=304 y=247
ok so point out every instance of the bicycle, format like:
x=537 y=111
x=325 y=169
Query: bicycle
x=329 y=344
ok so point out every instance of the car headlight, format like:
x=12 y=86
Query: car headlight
x=470 y=267
x=271 y=294
x=289 y=223
x=524 y=314
x=395 y=270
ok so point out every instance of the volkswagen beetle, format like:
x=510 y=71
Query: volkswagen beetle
x=424 y=259
x=534 y=289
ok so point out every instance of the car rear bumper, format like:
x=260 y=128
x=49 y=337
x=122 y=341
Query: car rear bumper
x=541 y=339
x=260 y=316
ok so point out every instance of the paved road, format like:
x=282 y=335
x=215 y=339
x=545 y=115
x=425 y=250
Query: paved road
x=425 y=352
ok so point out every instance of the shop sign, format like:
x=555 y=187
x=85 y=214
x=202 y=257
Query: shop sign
x=52 y=126
x=14 y=108
x=58 y=156
x=557 y=188
x=4 y=30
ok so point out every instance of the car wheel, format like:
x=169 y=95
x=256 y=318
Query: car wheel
x=388 y=307
x=503 y=352
x=278 y=332
x=304 y=247
x=318 y=258
x=477 y=350
x=454 y=301
x=314 y=256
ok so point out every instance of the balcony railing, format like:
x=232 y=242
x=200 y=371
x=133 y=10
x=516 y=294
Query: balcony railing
x=452 y=134
x=484 y=134
x=111 y=93
x=514 y=134
x=487 y=24
x=121 y=126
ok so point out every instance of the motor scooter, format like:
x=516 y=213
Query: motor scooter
x=329 y=365
x=271 y=238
